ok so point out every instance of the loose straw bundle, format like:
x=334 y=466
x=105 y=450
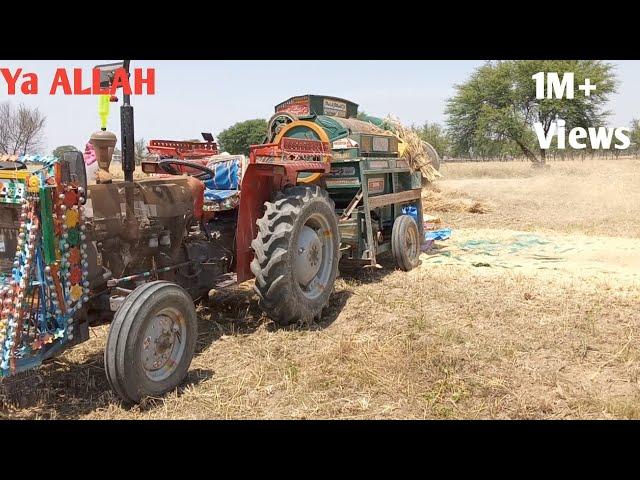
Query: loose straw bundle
x=417 y=152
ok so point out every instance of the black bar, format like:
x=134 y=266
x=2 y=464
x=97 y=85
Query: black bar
x=128 y=148
x=128 y=142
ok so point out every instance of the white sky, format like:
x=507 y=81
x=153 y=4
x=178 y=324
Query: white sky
x=210 y=95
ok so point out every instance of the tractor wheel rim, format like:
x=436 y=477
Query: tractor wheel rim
x=163 y=344
x=411 y=242
x=314 y=256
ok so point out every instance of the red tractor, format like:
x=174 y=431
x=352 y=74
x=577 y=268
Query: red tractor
x=202 y=223
x=146 y=249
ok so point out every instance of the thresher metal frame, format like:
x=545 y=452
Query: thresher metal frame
x=288 y=150
x=397 y=198
x=182 y=150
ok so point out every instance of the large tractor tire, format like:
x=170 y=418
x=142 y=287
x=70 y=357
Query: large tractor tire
x=405 y=243
x=151 y=341
x=296 y=255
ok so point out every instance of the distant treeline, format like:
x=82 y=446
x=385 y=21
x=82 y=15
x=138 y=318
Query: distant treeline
x=567 y=156
x=451 y=148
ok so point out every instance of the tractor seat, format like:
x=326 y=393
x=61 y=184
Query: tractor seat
x=223 y=191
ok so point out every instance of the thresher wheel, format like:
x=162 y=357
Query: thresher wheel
x=151 y=341
x=296 y=255
x=277 y=122
x=432 y=154
x=405 y=243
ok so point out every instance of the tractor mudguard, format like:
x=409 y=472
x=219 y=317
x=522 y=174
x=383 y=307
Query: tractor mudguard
x=258 y=183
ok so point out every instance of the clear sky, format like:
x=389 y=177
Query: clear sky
x=201 y=96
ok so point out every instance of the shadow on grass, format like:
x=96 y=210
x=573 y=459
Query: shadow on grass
x=236 y=312
x=66 y=389
x=367 y=275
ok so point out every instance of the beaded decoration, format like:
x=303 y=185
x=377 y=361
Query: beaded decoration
x=48 y=281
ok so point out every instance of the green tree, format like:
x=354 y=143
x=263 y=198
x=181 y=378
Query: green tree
x=498 y=104
x=59 y=151
x=238 y=137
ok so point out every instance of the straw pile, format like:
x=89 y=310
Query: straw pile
x=417 y=152
x=436 y=200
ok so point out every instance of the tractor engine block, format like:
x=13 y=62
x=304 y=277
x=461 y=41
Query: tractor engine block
x=136 y=226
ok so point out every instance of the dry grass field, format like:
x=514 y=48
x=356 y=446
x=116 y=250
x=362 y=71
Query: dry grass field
x=530 y=310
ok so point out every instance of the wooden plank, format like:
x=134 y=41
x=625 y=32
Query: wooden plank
x=391 y=198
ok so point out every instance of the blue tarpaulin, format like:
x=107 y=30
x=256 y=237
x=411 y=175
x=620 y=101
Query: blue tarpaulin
x=411 y=210
x=442 y=234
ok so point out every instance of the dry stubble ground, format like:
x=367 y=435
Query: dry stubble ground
x=443 y=341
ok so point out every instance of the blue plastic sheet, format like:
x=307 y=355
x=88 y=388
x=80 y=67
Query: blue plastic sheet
x=226 y=182
x=410 y=210
x=442 y=234
x=227 y=175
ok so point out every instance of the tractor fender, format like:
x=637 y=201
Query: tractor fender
x=258 y=183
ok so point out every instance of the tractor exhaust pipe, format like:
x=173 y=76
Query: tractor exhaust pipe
x=126 y=121
x=104 y=142
x=128 y=161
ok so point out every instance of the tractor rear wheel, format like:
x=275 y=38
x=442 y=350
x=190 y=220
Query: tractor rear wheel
x=151 y=341
x=405 y=243
x=296 y=255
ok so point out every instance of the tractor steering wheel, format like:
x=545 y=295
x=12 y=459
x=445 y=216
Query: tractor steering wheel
x=13 y=165
x=168 y=165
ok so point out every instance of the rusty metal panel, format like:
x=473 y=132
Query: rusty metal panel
x=381 y=144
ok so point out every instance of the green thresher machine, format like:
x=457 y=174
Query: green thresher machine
x=376 y=194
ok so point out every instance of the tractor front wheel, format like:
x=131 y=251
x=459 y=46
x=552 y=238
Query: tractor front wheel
x=151 y=341
x=296 y=255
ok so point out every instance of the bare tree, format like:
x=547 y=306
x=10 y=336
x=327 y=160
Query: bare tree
x=21 y=129
x=5 y=127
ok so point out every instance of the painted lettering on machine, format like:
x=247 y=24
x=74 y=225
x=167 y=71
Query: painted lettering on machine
x=334 y=108
x=296 y=106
